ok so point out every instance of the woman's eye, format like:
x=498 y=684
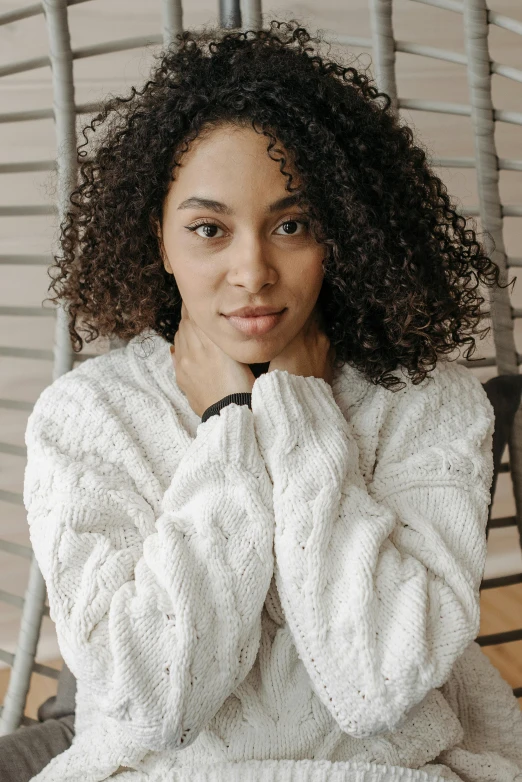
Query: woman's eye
x=210 y=229
x=292 y=224
x=209 y=232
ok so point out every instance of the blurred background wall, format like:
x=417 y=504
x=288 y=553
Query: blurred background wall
x=97 y=21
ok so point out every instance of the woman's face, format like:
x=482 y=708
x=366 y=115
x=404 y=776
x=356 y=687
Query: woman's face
x=248 y=250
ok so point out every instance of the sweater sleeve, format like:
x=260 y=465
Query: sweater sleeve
x=159 y=613
x=238 y=399
x=380 y=583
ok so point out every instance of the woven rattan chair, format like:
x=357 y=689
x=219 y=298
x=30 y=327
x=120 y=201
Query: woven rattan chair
x=504 y=390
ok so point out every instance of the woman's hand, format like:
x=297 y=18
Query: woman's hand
x=309 y=354
x=204 y=372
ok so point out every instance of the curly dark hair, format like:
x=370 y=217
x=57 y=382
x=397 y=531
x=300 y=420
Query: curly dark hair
x=402 y=271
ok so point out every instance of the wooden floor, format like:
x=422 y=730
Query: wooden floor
x=501 y=610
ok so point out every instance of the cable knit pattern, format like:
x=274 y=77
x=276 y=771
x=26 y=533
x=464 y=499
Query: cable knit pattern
x=288 y=593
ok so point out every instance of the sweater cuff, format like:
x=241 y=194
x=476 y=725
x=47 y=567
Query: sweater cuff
x=239 y=399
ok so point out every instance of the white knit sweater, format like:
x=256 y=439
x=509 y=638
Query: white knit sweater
x=283 y=594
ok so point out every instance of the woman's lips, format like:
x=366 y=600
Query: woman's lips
x=258 y=325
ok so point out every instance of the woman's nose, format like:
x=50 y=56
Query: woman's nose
x=251 y=263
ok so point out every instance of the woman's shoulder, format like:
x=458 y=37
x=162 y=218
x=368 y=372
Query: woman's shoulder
x=450 y=406
x=446 y=381
x=116 y=384
x=449 y=387
x=109 y=370
x=87 y=383
x=449 y=398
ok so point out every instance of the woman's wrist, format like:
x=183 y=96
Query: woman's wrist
x=239 y=399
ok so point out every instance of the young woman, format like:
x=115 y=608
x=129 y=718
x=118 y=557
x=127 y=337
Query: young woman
x=263 y=537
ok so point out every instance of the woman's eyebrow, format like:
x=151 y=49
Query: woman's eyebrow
x=195 y=202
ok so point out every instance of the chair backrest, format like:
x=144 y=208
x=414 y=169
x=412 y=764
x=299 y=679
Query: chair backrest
x=476 y=21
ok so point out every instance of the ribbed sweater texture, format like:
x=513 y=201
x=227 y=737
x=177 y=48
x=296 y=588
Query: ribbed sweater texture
x=284 y=592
